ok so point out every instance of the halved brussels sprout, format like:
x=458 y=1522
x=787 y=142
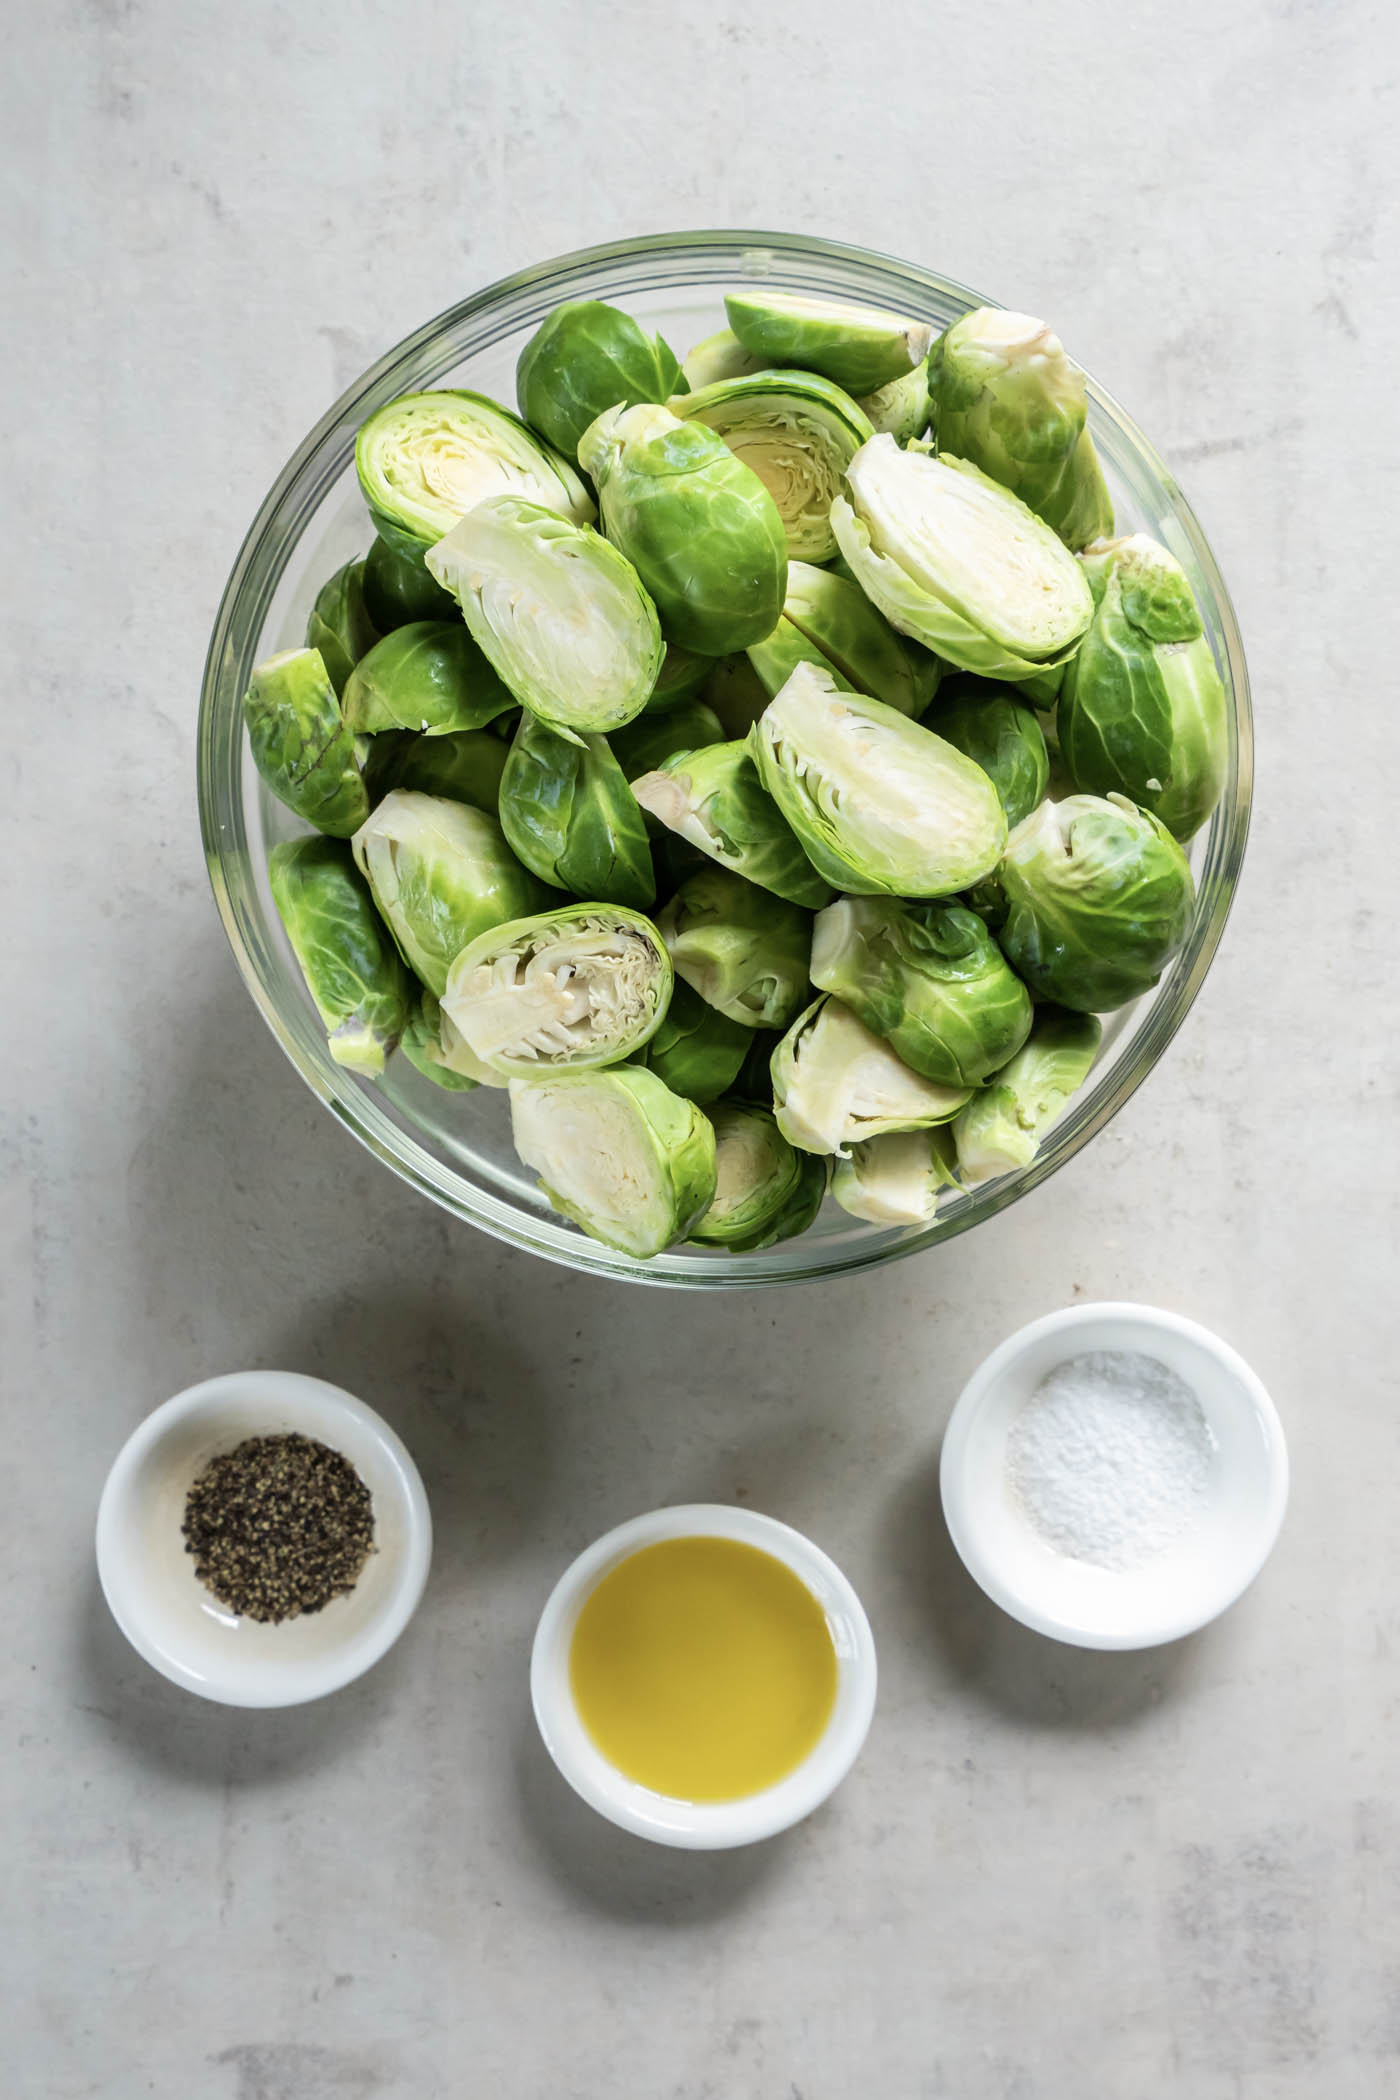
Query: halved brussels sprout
x=432 y=1045
x=569 y=815
x=465 y=766
x=1006 y=397
x=860 y=347
x=988 y=721
x=1002 y=1126
x=929 y=978
x=561 y=614
x=720 y=356
x=953 y=559
x=1098 y=901
x=715 y=798
x=798 y=432
x=765 y=1191
x=1142 y=708
x=740 y=948
x=618 y=1153
x=441 y=874
x=429 y=677
x=858 y=642
x=697 y=1050
x=399 y=589
x=736 y=692
x=900 y=1179
x=878 y=803
x=902 y=407
x=702 y=530
x=680 y=678
x=586 y=985
x=426 y=460
x=585 y=357
x=641 y=746
x=301 y=744
x=777 y=656
x=835 y=1084
x=339 y=624
x=352 y=969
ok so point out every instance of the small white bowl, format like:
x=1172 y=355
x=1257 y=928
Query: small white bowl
x=1195 y=1578
x=166 y=1612
x=704 y=1825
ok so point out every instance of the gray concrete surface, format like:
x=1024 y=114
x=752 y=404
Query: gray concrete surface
x=1053 y=1876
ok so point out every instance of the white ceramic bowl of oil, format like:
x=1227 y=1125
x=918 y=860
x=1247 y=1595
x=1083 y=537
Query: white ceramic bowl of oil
x=1172 y=1592
x=177 y=1624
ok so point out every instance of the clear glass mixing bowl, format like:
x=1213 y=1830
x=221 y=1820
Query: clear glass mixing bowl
x=456 y=1147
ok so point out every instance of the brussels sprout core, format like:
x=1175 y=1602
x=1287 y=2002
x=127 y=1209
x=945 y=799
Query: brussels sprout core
x=586 y=986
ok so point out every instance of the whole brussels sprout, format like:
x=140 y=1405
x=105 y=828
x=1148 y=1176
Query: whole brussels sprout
x=465 y=766
x=835 y=1084
x=955 y=560
x=429 y=677
x=1002 y=1125
x=700 y=527
x=618 y=1153
x=740 y=948
x=587 y=985
x=585 y=357
x=569 y=815
x=432 y=1045
x=714 y=798
x=929 y=978
x=301 y=744
x=860 y=347
x=901 y=408
x=1142 y=708
x=1007 y=398
x=697 y=1050
x=798 y=432
x=561 y=614
x=441 y=874
x=720 y=356
x=398 y=589
x=878 y=803
x=987 y=721
x=339 y=624
x=1098 y=901
x=858 y=642
x=426 y=460
x=351 y=967
x=641 y=746
x=900 y=1179
x=765 y=1190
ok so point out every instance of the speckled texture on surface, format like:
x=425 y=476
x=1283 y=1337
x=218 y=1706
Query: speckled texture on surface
x=1052 y=1875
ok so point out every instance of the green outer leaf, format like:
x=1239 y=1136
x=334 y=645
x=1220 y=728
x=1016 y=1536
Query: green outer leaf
x=579 y=987
x=777 y=656
x=864 y=651
x=509 y=460
x=901 y=407
x=339 y=624
x=798 y=432
x=740 y=948
x=351 y=967
x=465 y=766
x=719 y=356
x=569 y=815
x=681 y=676
x=399 y=589
x=860 y=347
x=715 y=799
x=698 y=1051
x=641 y=746
x=1001 y=1127
x=300 y=742
x=736 y=692
x=766 y=1190
x=638 y=1114
x=422 y=1046
x=585 y=357
x=985 y=720
x=429 y=677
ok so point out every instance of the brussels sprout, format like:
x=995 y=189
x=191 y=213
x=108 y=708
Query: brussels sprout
x=379 y=758
x=680 y=678
x=878 y=803
x=953 y=559
x=835 y=1084
x=900 y=1179
x=465 y=767
x=860 y=347
x=433 y=1046
x=399 y=589
x=301 y=744
x=426 y=460
x=441 y=874
x=1142 y=708
x=339 y=624
x=715 y=799
x=720 y=356
x=765 y=1191
x=585 y=357
x=586 y=985
x=754 y=1080
x=352 y=970
x=798 y=432
x=777 y=656
x=569 y=815
x=902 y=408
x=740 y=948
x=736 y=692
x=703 y=531
x=1043 y=690
x=843 y=626
x=561 y=614
x=987 y=721
x=1002 y=1126
x=641 y=746
x=929 y=978
x=1098 y=901
x=429 y=676
x=1006 y=397
x=618 y=1153
x=697 y=1051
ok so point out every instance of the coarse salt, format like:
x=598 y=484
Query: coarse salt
x=1110 y=1458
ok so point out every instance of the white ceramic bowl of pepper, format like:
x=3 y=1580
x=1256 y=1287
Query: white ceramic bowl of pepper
x=346 y=1523
x=1114 y=1476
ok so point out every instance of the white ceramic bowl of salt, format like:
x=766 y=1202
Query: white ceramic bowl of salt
x=1114 y=1476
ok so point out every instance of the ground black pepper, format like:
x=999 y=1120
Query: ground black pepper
x=278 y=1526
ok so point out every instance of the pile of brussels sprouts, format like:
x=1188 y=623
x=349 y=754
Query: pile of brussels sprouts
x=680 y=760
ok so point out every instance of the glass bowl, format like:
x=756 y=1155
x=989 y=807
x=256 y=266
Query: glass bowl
x=454 y=1147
